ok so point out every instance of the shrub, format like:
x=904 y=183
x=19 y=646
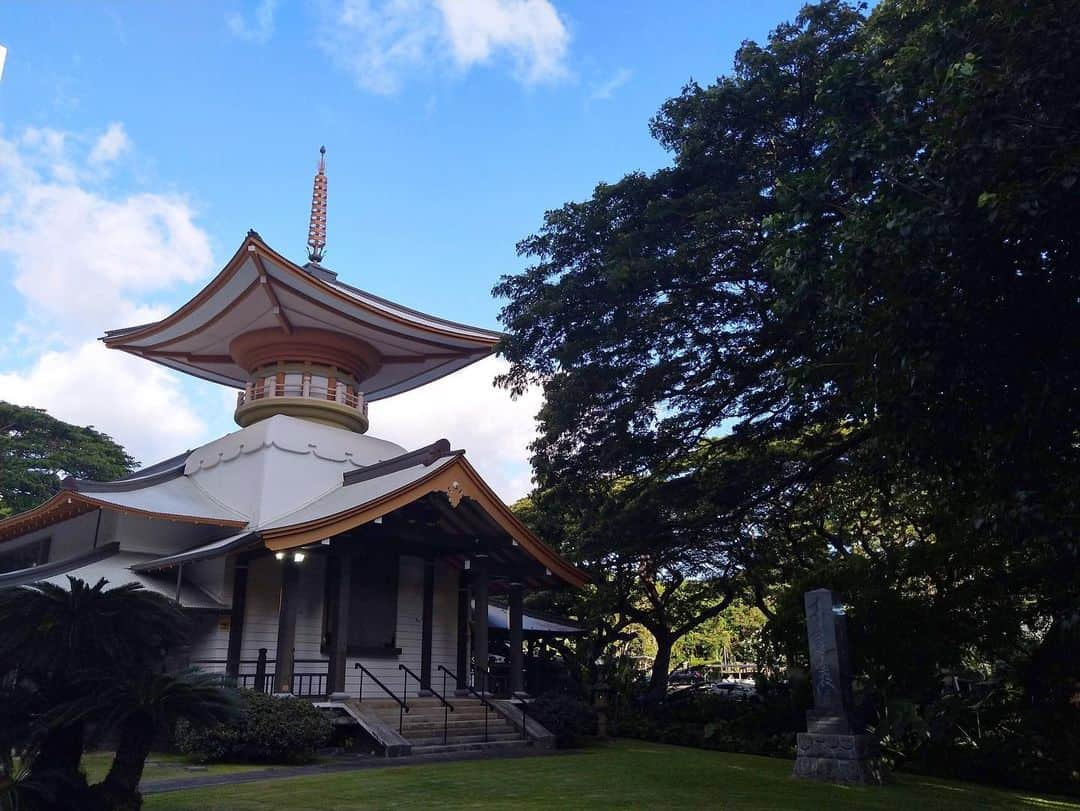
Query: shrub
x=267 y=730
x=568 y=718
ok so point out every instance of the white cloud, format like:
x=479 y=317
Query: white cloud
x=138 y=404
x=110 y=145
x=602 y=91
x=530 y=31
x=83 y=259
x=380 y=41
x=261 y=27
x=63 y=235
x=466 y=409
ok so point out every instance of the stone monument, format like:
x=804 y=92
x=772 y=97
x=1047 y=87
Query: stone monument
x=834 y=747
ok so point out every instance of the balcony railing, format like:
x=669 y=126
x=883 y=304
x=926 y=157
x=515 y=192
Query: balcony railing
x=341 y=394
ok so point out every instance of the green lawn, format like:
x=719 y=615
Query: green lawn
x=626 y=774
x=159 y=767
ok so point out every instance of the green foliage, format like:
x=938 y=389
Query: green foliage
x=711 y=722
x=267 y=730
x=569 y=719
x=89 y=655
x=36 y=449
x=859 y=270
x=652 y=559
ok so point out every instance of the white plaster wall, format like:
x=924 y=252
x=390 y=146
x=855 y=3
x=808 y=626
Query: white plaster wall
x=69 y=538
x=137 y=533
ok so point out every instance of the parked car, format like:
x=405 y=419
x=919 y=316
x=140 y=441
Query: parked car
x=685 y=678
x=734 y=691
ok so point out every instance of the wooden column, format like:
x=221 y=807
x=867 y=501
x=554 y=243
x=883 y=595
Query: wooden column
x=480 y=618
x=339 y=618
x=286 y=630
x=461 y=668
x=426 y=623
x=517 y=663
x=236 y=619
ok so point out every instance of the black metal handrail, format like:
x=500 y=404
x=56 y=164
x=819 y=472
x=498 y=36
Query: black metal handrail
x=487 y=705
x=521 y=705
x=447 y=706
x=403 y=705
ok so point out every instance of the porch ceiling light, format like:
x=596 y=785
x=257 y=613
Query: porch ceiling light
x=298 y=557
x=279 y=555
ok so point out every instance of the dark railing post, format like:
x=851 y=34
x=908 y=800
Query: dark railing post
x=260 y=671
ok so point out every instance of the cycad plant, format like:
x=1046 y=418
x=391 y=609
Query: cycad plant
x=91 y=654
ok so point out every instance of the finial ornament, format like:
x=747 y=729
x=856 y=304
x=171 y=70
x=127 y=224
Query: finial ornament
x=317 y=228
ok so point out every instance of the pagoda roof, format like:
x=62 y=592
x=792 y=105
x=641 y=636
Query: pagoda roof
x=260 y=289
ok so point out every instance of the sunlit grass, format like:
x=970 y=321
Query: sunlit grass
x=619 y=775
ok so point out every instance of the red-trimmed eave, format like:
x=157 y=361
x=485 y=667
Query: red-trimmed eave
x=69 y=504
x=120 y=338
x=473 y=486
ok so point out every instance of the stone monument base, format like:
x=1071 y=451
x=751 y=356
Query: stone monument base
x=837 y=758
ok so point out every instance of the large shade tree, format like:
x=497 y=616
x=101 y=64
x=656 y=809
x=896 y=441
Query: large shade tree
x=36 y=449
x=861 y=264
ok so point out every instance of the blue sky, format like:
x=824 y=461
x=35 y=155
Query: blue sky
x=139 y=142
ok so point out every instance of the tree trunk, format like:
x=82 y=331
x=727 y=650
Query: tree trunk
x=59 y=757
x=661 y=667
x=120 y=788
x=62 y=748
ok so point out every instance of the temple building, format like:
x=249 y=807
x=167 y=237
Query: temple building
x=314 y=558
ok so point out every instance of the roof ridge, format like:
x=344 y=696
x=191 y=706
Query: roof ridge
x=125 y=484
x=426 y=456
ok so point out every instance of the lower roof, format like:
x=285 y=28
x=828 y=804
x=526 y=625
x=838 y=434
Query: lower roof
x=353 y=494
x=118 y=568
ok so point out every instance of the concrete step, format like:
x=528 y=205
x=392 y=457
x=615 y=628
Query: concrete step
x=492 y=746
x=480 y=738
x=469 y=713
x=432 y=717
x=412 y=734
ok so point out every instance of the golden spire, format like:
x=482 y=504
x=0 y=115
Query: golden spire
x=317 y=229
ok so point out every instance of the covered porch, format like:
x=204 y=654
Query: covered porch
x=390 y=595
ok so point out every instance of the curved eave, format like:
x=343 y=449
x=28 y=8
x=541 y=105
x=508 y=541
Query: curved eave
x=350 y=303
x=69 y=504
x=135 y=482
x=458 y=472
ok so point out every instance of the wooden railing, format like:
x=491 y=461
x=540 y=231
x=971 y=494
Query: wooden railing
x=342 y=394
x=309 y=675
